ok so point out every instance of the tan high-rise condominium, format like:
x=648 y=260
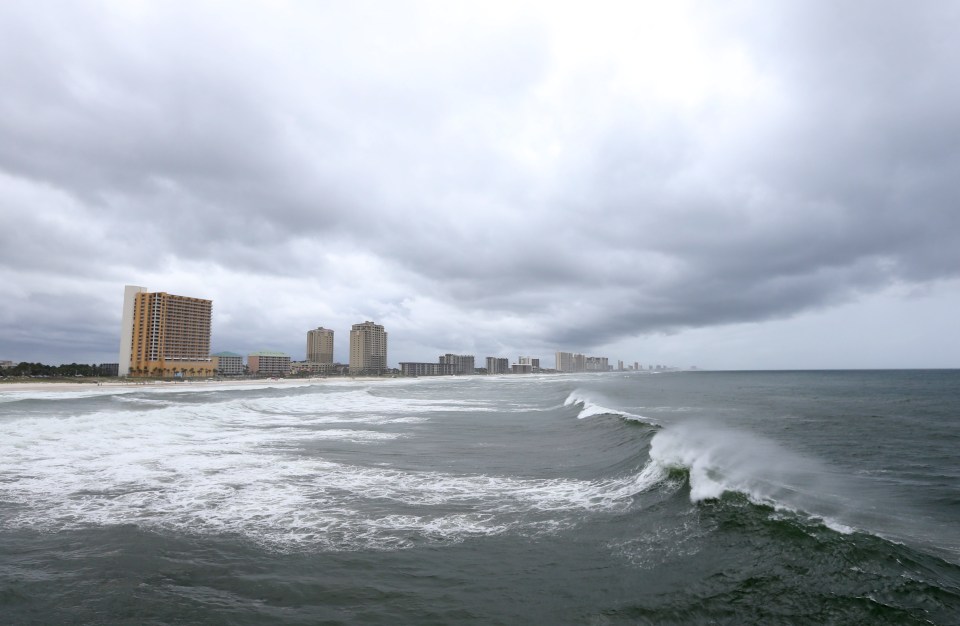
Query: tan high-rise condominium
x=164 y=335
x=368 y=348
x=320 y=345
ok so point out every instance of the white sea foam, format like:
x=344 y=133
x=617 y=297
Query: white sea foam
x=237 y=466
x=356 y=401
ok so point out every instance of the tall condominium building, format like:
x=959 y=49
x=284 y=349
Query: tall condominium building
x=597 y=364
x=368 y=348
x=497 y=365
x=164 y=335
x=574 y=362
x=463 y=364
x=320 y=345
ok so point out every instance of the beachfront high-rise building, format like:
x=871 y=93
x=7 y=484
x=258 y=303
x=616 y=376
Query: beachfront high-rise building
x=368 y=348
x=164 y=335
x=462 y=363
x=320 y=345
x=597 y=364
x=564 y=362
x=498 y=365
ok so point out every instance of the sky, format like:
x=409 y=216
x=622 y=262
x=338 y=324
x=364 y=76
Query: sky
x=733 y=185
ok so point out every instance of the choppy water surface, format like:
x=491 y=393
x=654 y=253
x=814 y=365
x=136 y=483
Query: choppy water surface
x=777 y=497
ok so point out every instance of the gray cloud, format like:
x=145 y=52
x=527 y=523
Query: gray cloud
x=530 y=179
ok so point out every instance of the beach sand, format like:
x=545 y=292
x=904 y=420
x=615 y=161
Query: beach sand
x=33 y=385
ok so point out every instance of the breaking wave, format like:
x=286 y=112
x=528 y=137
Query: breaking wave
x=591 y=408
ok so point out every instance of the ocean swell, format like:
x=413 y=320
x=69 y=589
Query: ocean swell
x=591 y=408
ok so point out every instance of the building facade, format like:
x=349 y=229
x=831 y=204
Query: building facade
x=597 y=364
x=497 y=365
x=529 y=363
x=576 y=362
x=227 y=363
x=320 y=345
x=108 y=369
x=268 y=363
x=565 y=362
x=427 y=369
x=463 y=364
x=164 y=335
x=368 y=349
x=312 y=367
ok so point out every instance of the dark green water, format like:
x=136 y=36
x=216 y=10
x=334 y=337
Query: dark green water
x=730 y=498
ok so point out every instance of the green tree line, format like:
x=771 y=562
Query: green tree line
x=56 y=371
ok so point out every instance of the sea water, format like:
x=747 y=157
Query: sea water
x=677 y=497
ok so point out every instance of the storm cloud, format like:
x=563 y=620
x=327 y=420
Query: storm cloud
x=487 y=178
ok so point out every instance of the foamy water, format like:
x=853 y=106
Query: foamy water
x=236 y=465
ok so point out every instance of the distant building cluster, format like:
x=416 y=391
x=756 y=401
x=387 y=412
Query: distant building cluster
x=576 y=362
x=165 y=335
x=168 y=336
x=464 y=365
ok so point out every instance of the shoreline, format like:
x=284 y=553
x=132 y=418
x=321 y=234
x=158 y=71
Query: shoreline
x=62 y=385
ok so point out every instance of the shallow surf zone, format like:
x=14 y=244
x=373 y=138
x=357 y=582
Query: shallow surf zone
x=254 y=466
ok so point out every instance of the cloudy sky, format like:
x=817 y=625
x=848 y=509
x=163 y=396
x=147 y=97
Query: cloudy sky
x=728 y=185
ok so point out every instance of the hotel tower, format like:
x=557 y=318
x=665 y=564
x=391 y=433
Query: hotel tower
x=320 y=345
x=368 y=348
x=164 y=335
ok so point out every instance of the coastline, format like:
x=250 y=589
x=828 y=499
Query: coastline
x=60 y=385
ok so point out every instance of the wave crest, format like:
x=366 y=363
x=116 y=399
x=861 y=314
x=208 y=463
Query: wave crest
x=591 y=408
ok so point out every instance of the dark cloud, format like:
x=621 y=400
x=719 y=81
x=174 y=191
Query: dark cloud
x=531 y=179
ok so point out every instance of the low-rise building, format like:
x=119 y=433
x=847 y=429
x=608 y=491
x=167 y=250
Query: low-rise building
x=108 y=369
x=427 y=369
x=268 y=363
x=228 y=363
x=314 y=367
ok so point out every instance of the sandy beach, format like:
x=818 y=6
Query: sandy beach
x=33 y=385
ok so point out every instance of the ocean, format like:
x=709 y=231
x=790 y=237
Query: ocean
x=827 y=497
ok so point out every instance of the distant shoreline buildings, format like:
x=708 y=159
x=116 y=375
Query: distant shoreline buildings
x=576 y=362
x=168 y=336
